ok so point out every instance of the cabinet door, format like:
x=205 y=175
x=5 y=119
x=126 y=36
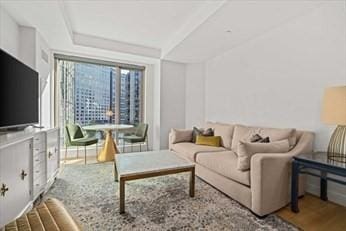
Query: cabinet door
x=52 y=153
x=2 y=210
x=15 y=175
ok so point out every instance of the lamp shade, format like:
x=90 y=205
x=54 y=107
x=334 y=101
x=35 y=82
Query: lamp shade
x=334 y=106
x=109 y=113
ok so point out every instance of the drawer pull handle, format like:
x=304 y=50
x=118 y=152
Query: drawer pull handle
x=23 y=174
x=3 y=190
x=37 y=171
x=37 y=185
x=37 y=160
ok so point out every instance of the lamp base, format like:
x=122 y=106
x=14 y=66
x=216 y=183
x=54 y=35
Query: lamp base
x=337 y=145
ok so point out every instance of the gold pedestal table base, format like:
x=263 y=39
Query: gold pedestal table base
x=110 y=147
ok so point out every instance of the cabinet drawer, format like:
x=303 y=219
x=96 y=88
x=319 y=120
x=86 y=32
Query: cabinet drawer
x=39 y=185
x=39 y=181
x=38 y=148
x=39 y=138
x=39 y=171
x=38 y=159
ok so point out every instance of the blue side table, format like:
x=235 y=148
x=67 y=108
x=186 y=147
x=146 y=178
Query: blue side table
x=318 y=161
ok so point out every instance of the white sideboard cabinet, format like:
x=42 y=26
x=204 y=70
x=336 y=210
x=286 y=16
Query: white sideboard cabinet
x=53 y=155
x=29 y=163
x=14 y=179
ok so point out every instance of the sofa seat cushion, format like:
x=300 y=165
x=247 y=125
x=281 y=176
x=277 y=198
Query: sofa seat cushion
x=225 y=164
x=189 y=150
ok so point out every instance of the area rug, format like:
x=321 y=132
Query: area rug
x=162 y=203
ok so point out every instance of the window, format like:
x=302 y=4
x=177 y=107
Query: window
x=86 y=91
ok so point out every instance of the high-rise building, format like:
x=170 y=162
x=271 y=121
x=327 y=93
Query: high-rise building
x=94 y=93
x=90 y=90
x=130 y=97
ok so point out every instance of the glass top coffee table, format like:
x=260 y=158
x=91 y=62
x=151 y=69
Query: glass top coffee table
x=134 y=166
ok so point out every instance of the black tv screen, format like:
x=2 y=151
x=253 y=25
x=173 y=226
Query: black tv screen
x=19 y=101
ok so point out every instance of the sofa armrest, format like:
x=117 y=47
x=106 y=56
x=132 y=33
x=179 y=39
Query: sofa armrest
x=270 y=176
x=170 y=140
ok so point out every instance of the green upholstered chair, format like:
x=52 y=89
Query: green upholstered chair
x=138 y=136
x=75 y=137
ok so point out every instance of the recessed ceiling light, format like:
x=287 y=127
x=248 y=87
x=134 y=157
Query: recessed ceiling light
x=228 y=31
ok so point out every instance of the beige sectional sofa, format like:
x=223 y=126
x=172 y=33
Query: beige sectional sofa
x=264 y=188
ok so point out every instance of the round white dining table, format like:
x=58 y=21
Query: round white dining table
x=110 y=147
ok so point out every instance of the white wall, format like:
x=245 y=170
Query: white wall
x=172 y=100
x=45 y=67
x=9 y=33
x=278 y=78
x=152 y=111
x=26 y=44
x=195 y=95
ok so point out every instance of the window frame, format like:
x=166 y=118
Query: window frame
x=119 y=65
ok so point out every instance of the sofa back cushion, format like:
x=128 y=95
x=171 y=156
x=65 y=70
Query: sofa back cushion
x=223 y=130
x=246 y=150
x=180 y=135
x=244 y=133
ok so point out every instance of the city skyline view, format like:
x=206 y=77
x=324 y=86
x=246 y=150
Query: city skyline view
x=90 y=90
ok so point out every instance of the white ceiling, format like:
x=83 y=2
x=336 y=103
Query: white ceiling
x=235 y=23
x=147 y=23
x=182 y=31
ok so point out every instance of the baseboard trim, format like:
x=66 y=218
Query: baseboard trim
x=333 y=196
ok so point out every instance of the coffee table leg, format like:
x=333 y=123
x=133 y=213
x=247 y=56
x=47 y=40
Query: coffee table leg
x=122 y=195
x=115 y=172
x=192 y=183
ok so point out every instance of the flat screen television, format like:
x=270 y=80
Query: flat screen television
x=19 y=93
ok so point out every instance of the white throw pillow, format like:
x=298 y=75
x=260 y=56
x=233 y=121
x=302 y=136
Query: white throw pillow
x=246 y=150
x=244 y=133
x=181 y=135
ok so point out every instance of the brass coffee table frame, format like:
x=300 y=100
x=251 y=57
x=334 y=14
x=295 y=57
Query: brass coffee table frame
x=123 y=179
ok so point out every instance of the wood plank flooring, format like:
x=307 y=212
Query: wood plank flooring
x=316 y=215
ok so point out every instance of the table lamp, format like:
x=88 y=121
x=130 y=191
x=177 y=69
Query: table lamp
x=334 y=112
x=109 y=113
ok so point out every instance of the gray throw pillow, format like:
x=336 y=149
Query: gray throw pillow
x=259 y=139
x=201 y=132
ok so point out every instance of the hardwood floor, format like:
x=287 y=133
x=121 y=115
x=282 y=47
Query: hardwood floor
x=316 y=215
x=80 y=160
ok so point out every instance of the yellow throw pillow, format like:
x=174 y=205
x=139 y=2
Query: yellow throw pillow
x=209 y=140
